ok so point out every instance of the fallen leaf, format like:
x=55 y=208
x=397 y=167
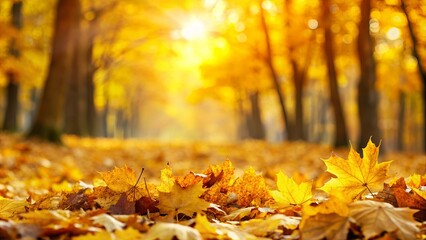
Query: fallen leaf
x=128 y=234
x=251 y=189
x=167 y=180
x=123 y=180
x=356 y=176
x=168 y=231
x=376 y=217
x=238 y=214
x=324 y=226
x=123 y=206
x=205 y=228
x=108 y=222
x=406 y=198
x=291 y=193
x=218 y=182
x=335 y=203
x=102 y=235
x=182 y=200
x=188 y=180
x=10 y=207
x=261 y=227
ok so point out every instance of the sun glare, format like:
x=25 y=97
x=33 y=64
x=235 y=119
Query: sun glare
x=194 y=30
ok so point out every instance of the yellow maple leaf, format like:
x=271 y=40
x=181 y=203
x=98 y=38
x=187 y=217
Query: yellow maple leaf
x=182 y=200
x=356 y=176
x=291 y=193
x=376 y=217
x=10 y=207
x=123 y=180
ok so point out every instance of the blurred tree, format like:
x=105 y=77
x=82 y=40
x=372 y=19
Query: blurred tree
x=268 y=58
x=367 y=95
x=420 y=65
x=299 y=68
x=12 y=88
x=48 y=122
x=340 y=133
x=80 y=111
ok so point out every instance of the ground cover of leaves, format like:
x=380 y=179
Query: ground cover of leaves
x=133 y=189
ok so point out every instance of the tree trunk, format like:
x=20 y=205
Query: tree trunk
x=340 y=133
x=368 y=98
x=401 y=122
x=76 y=121
x=92 y=116
x=255 y=125
x=298 y=81
x=422 y=71
x=49 y=119
x=274 y=75
x=12 y=90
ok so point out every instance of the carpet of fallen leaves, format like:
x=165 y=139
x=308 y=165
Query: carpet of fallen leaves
x=133 y=189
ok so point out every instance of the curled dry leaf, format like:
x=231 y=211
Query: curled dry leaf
x=376 y=217
x=330 y=226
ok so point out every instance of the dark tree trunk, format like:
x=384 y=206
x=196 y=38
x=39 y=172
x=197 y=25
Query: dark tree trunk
x=92 y=116
x=76 y=121
x=340 y=133
x=368 y=98
x=420 y=66
x=254 y=123
x=10 y=122
x=298 y=81
x=401 y=122
x=274 y=75
x=49 y=119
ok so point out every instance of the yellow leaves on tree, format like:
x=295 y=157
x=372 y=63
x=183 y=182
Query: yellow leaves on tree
x=376 y=217
x=291 y=193
x=356 y=176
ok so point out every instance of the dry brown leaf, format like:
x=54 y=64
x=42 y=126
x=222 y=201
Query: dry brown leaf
x=330 y=226
x=376 y=217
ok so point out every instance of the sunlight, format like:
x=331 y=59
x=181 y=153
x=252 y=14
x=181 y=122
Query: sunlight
x=393 y=33
x=194 y=30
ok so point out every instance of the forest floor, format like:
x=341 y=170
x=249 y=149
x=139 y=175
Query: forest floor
x=130 y=189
